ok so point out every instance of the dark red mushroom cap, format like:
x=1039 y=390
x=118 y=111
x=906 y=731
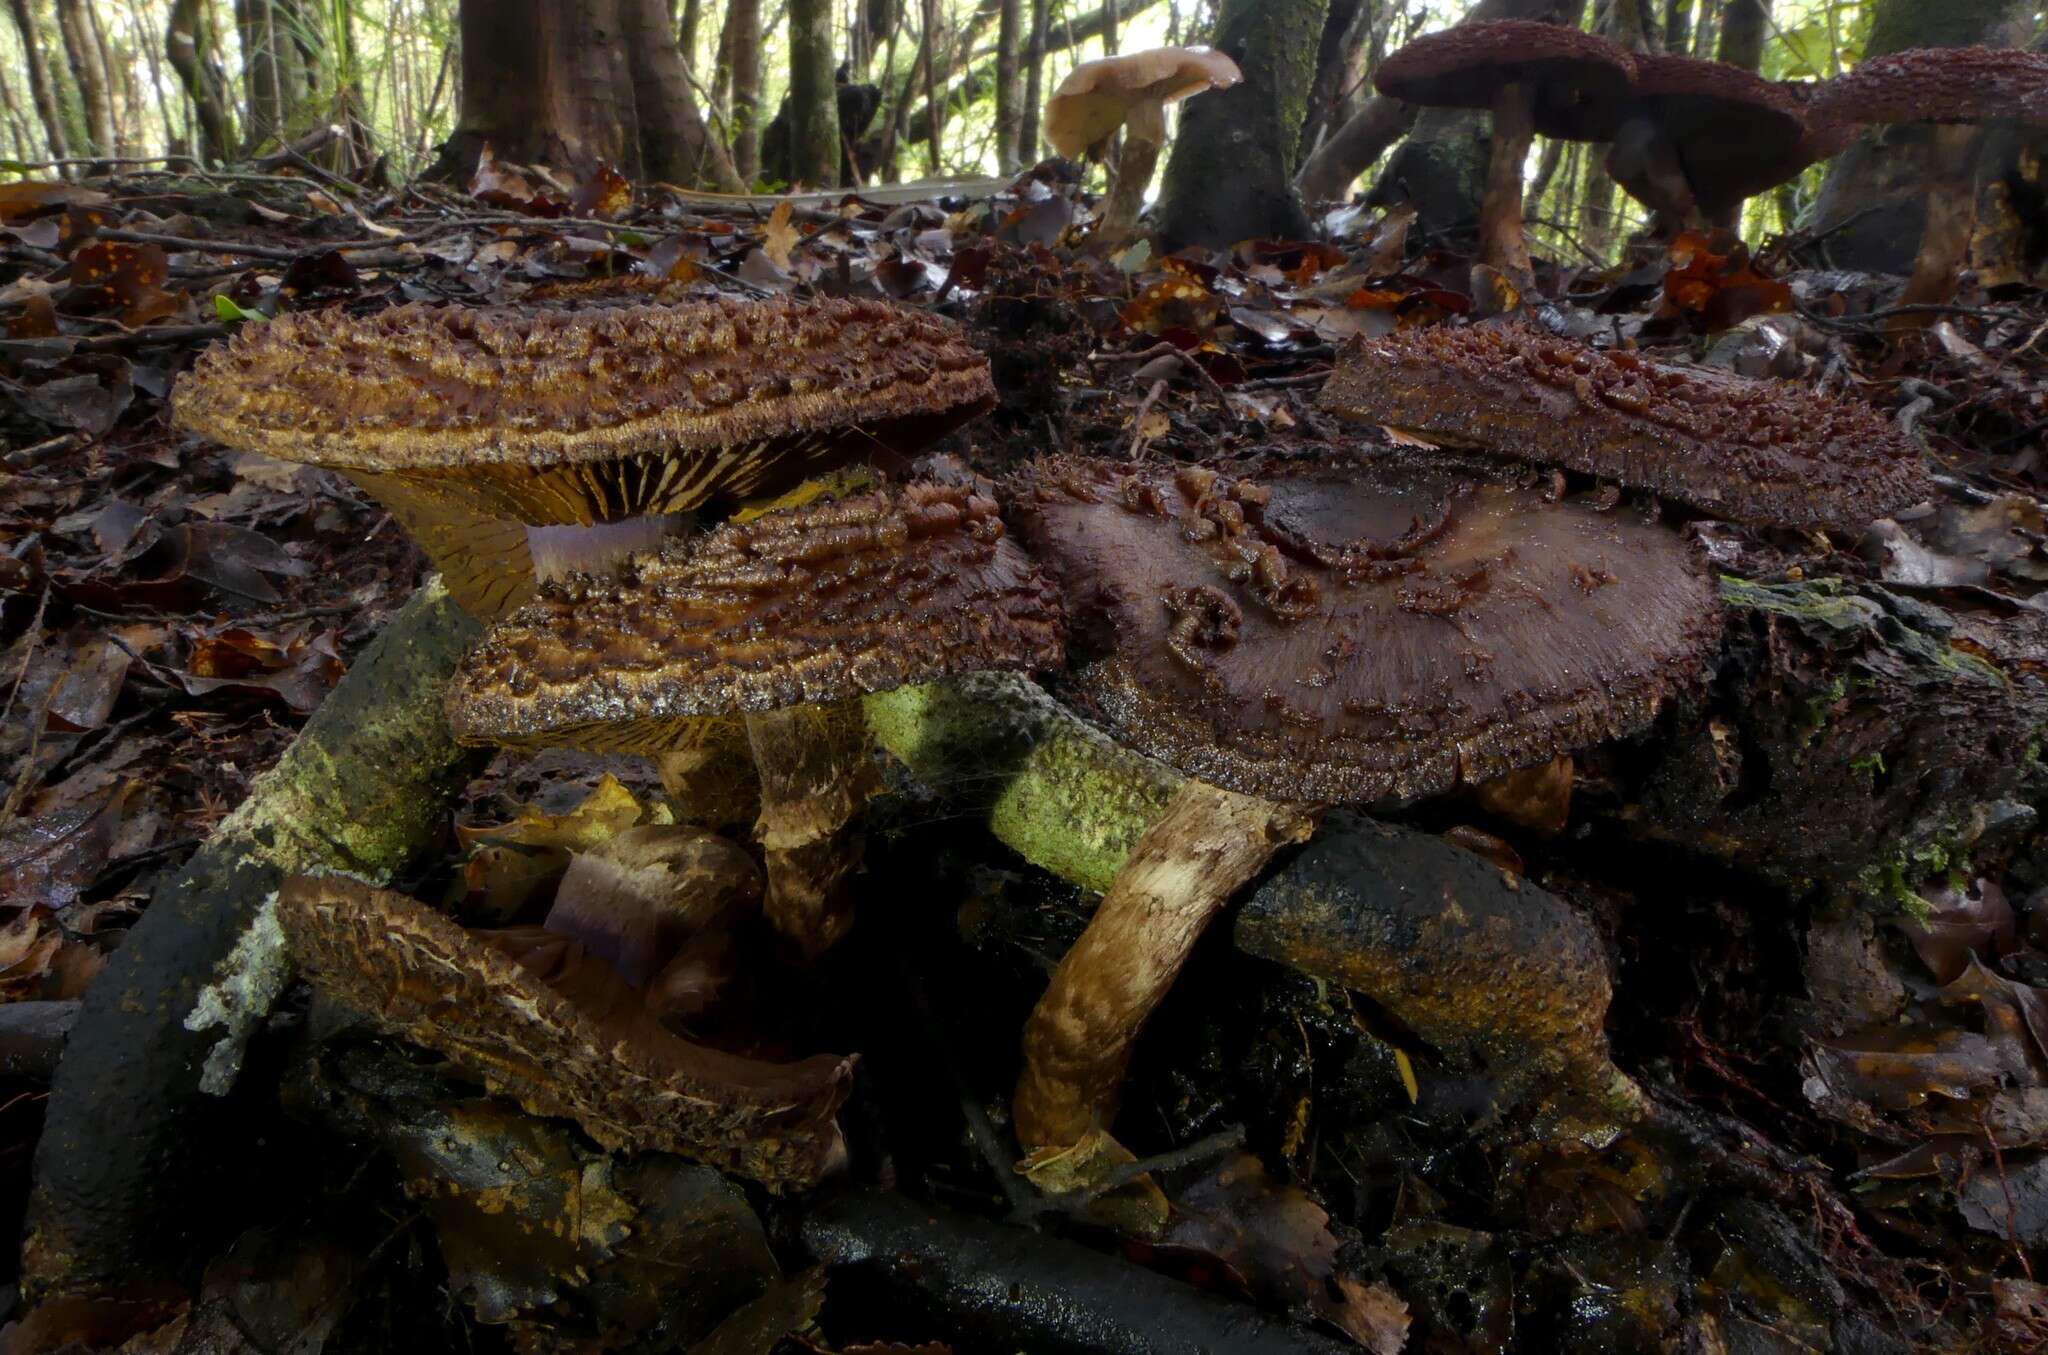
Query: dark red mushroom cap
x=1582 y=82
x=1825 y=136
x=1361 y=630
x=1736 y=133
x=1764 y=452
x=1941 y=84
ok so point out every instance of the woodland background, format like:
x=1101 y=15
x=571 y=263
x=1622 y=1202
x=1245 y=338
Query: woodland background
x=940 y=87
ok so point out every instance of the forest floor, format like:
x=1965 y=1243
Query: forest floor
x=170 y=613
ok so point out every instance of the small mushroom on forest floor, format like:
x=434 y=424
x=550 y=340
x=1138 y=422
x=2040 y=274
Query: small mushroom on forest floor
x=1534 y=77
x=1701 y=136
x=635 y=898
x=1962 y=91
x=782 y=621
x=1762 y=452
x=1130 y=91
x=1362 y=632
x=558 y=1031
x=539 y=440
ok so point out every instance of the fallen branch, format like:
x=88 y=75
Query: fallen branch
x=137 y=1125
x=1000 y=1288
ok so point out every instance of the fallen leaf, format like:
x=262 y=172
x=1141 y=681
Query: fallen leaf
x=781 y=236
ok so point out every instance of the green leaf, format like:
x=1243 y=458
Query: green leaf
x=227 y=310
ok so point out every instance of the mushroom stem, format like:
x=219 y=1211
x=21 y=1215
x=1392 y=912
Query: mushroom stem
x=1953 y=152
x=708 y=773
x=816 y=771
x=1144 y=134
x=1502 y=245
x=1182 y=871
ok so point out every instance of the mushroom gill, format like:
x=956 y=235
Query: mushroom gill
x=1763 y=452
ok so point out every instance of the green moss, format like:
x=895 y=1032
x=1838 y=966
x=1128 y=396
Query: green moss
x=1060 y=793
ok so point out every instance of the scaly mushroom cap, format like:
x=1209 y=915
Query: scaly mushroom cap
x=808 y=605
x=467 y=422
x=1737 y=134
x=1941 y=84
x=1095 y=99
x=1365 y=631
x=1763 y=452
x=1582 y=81
x=590 y=1053
x=1825 y=137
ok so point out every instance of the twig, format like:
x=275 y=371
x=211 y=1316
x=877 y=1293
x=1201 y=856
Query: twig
x=129 y=338
x=1194 y=1154
x=276 y=253
x=1138 y=438
x=1859 y=323
x=1165 y=350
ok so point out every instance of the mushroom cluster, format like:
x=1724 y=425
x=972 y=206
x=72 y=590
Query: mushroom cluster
x=1130 y=92
x=1691 y=139
x=550 y=459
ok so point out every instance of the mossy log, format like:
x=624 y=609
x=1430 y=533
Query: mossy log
x=1854 y=740
x=139 y=1125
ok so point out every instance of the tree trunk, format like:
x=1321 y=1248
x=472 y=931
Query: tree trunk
x=1034 y=83
x=1873 y=204
x=88 y=77
x=1678 y=25
x=1340 y=68
x=1231 y=175
x=273 y=71
x=574 y=82
x=743 y=31
x=814 y=102
x=1009 y=38
x=1744 y=26
x=675 y=145
x=190 y=48
x=118 y=81
x=934 y=110
x=41 y=91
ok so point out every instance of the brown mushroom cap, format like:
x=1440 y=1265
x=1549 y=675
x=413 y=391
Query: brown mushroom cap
x=463 y=421
x=1825 y=136
x=499 y=1010
x=1365 y=631
x=1736 y=133
x=808 y=605
x=1940 y=84
x=1097 y=96
x=1582 y=82
x=1764 y=452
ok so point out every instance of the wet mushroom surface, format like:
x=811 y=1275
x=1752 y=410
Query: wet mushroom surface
x=1360 y=631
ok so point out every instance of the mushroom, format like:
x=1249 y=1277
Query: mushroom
x=516 y=442
x=1130 y=91
x=1763 y=452
x=1961 y=90
x=1534 y=77
x=635 y=898
x=1702 y=136
x=540 y=1021
x=1362 y=631
x=783 y=621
